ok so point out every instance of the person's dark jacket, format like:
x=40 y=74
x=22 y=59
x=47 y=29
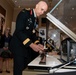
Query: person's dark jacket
x=24 y=34
x=2 y=40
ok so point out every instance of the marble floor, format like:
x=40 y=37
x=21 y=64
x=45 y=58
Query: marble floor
x=10 y=66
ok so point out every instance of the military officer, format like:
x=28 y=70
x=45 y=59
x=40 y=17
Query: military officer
x=24 y=43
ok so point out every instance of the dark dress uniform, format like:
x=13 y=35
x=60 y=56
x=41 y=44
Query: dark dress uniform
x=23 y=36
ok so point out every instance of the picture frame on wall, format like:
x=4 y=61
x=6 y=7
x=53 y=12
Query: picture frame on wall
x=2 y=22
x=2 y=19
x=42 y=33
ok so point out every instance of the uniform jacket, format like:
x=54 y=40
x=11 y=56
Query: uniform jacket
x=24 y=34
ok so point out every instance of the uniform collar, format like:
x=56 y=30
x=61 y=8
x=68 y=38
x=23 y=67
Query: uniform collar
x=34 y=13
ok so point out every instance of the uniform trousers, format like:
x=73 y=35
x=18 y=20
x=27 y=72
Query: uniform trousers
x=20 y=63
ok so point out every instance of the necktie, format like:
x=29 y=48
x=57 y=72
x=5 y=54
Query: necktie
x=35 y=24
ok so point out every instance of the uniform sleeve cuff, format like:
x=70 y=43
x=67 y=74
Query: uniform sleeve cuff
x=36 y=42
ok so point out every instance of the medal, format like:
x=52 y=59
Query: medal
x=27 y=27
x=33 y=31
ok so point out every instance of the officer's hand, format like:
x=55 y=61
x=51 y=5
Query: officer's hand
x=36 y=47
x=41 y=45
